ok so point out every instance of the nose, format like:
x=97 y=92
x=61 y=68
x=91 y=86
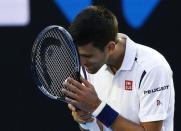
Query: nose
x=83 y=61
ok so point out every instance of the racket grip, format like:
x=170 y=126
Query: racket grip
x=92 y=126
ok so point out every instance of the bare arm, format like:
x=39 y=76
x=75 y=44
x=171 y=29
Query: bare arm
x=125 y=125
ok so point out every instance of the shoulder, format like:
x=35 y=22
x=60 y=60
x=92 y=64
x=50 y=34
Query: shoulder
x=150 y=58
x=147 y=58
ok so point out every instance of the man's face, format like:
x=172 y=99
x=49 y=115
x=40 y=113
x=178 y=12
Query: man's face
x=91 y=58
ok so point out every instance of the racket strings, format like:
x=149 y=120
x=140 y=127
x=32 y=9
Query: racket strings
x=67 y=54
x=71 y=59
x=55 y=69
x=52 y=61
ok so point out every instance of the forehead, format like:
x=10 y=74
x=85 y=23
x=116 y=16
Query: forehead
x=88 y=48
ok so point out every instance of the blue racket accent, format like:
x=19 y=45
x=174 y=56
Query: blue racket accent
x=45 y=92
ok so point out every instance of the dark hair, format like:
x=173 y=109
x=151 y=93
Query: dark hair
x=94 y=24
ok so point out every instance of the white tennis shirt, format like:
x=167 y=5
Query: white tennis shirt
x=142 y=89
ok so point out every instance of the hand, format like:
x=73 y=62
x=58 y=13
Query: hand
x=82 y=95
x=80 y=116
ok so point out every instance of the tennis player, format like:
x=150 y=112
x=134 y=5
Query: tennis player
x=129 y=86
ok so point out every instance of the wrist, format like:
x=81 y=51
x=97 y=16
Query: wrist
x=105 y=114
x=98 y=110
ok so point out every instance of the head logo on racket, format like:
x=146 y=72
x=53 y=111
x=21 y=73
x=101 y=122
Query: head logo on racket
x=54 y=59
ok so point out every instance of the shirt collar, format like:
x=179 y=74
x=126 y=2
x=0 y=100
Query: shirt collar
x=130 y=53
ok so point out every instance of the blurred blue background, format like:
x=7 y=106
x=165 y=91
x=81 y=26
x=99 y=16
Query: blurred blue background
x=154 y=23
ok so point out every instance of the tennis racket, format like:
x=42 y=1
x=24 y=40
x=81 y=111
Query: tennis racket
x=54 y=58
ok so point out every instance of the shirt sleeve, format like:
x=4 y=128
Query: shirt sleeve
x=156 y=94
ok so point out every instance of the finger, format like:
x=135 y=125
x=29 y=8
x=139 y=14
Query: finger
x=88 y=119
x=71 y=107
x=76 y=118
x=81 y=119
x=84 y=114
x=70 y=94
x=75 y=83
x=85 y=82
x=71 y=101
x=71 y=87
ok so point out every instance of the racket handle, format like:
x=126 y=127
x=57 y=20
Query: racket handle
x=92 y=126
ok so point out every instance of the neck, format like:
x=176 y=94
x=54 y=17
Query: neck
x=113 y=69
x=117 y=58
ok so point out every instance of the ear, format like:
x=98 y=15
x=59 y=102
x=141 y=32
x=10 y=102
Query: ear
x=110 y=46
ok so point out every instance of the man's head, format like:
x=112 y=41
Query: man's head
x=92 y=30
x=94 y=24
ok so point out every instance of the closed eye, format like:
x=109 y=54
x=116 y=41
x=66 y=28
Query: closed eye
x=85 y=55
